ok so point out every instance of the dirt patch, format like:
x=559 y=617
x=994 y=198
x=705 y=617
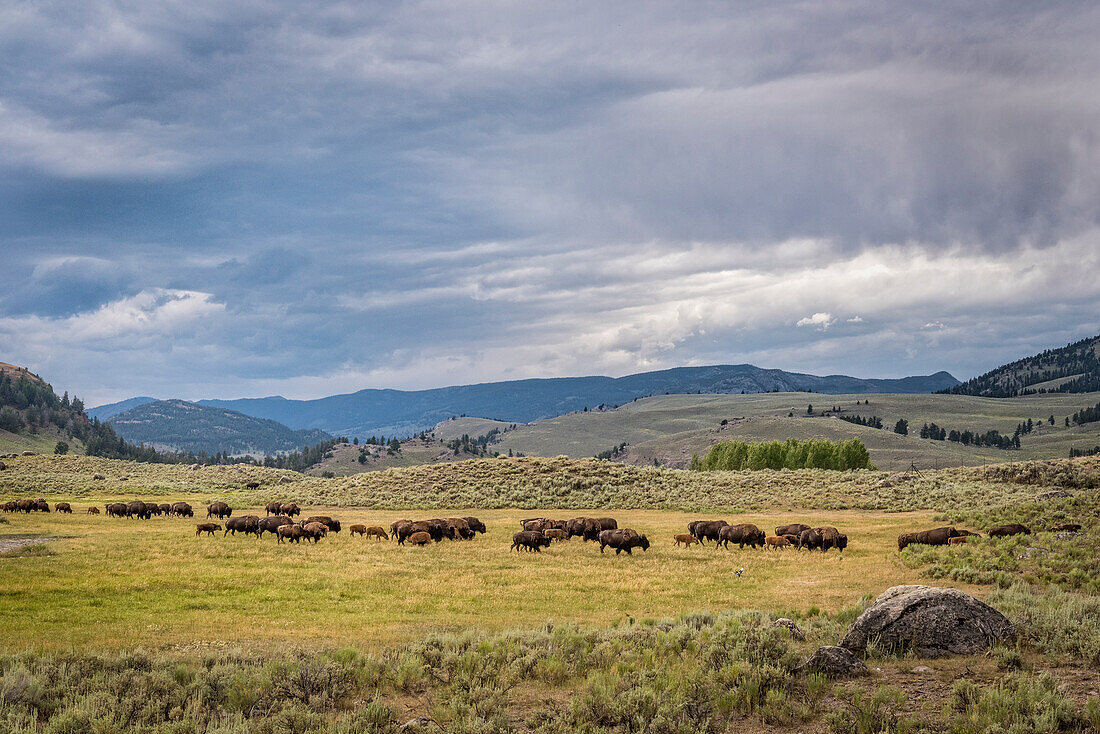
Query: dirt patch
x=14 y=544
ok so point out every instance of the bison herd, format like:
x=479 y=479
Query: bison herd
x=539 y=532
x=794 y=535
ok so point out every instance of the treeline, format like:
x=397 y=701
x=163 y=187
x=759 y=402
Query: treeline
x=789 y=454
x=478 y=446
x=612 y=452
x=1074 y=453
x=1087 y=415
x=991 y=438
x=1077 y=360
x=30 y=404
x=872 y=422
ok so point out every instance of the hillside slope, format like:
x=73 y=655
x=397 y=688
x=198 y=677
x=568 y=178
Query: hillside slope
x=106 y=412
x=402 y=413
x=178 y=425
x=1074 y=368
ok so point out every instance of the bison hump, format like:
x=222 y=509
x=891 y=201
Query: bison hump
x=929 y=621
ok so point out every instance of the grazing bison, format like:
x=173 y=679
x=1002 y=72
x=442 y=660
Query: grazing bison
x=63 y=507
x=809 y=539
x=958 y=539
x=795 y=529
x=138 y=508
x=420 y=538
x=555 y=534
x=247 y=524
x=328 y=522
x=832 y=538
x=743 y=534
x=289 y=532
x=314 y=531
x=1069 y=527
x=778 y=542
x=686 y=539
x=93 y=510
x=792 y=538
x=397 y=524
x=165 y=509
x=706 y=530
x=152 y=509
x=207 y=527
x=273 y=508
x=476 y=525
x=116 y=509
x=219 y=510
x=182 y=509
x=460 y=529
x=1014 y=528
x=531 y=540
x=272 y=524
x=623 y=540
x=290 y=509
x=936 y=536
x=377 y=531
x=575 y=527
x=357 y=530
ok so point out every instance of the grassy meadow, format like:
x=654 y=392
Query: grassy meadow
x=122 y=625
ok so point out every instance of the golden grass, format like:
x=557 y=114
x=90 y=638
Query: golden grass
x=113 y=583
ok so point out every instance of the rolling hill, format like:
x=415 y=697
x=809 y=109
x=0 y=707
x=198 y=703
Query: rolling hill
x=177 y=425
x=1074 y=368
x=396 y=412
x=106 y=412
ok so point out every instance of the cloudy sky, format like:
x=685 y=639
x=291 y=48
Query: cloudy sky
x=212 y=199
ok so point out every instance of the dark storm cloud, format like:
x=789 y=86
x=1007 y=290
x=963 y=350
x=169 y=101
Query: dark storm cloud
x=261 y=196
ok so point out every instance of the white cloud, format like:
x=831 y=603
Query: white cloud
x=820 y=319
x=855 y=320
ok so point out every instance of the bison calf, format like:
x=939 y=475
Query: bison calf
x=207 y=527
x=419 y=538
x=686 y=540
x=93 y=510
x=777 y=542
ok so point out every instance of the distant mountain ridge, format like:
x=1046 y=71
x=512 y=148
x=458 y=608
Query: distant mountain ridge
x=106 y=412
x=1073 y=368
x=177 y=425
x=401 y=413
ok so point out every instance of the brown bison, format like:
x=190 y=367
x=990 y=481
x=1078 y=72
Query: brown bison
x=706 y=530
x=376 y=531
x=936 y=536
x=555 y=534
x=314 y=531
x=531 y=540
x=219 y=510
x=832 y=538
x=476 y=525
x=182 y=509
x=623 y=540
x=420 y=538
x=958 y=540
x=137 y=508
x=357 y=530
x=271 y=524
x=116 y=509
x=328 y=522
x=93 y=510
x=792 y=538
x=273 y=508
x=743 y=534
x=290 y=509
x=165 y=509
x=1015 y=528
x=778 y=542
x=795 y=529
x=686 y=539
x=290 y=532
x=247 y=524
x=1069 y=527
x=397 y=524
x=63 y=507
x=207 y=527
x=459 y=528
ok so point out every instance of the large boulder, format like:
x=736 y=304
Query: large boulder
x=834 y=662
x=929 y=621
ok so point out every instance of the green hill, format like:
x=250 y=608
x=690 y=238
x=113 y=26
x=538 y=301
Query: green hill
x=177 y=425
x=1074 y=368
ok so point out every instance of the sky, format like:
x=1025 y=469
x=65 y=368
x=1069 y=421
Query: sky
x=209 y=199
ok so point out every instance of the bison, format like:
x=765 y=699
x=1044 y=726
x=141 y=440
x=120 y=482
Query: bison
x=936 y=536
x=686 y=539
x=63 y=507
x=328 y=522
x=247 y=524
x=218 y=510
x=207 y=527
x=476 y=525
x=357 y=530
x=290 y=531
x=165 y=509
x=1015 y=528
x=273 y=508
x=832 y=538
x=290 y=509
x=743 y=534
x=958 y=540
x=314 y=531
x=778 y=542
x=460 y=529
x=420 y=538
x=623 y=540
x=272 y=525
x=182 y=509
x=795 y=529
x=555 y=534
x=707 y=529
x=116 y=509
x=93 y=510
x=1069 y=527
x=138 y=508
x=531 y=540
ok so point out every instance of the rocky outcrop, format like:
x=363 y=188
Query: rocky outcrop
x=835 y=662
x=928 y=621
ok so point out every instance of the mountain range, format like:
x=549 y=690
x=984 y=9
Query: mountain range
x=400 y=412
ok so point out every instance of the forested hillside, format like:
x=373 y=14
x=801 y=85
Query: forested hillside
x=177 y=425
x=1073 y=368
